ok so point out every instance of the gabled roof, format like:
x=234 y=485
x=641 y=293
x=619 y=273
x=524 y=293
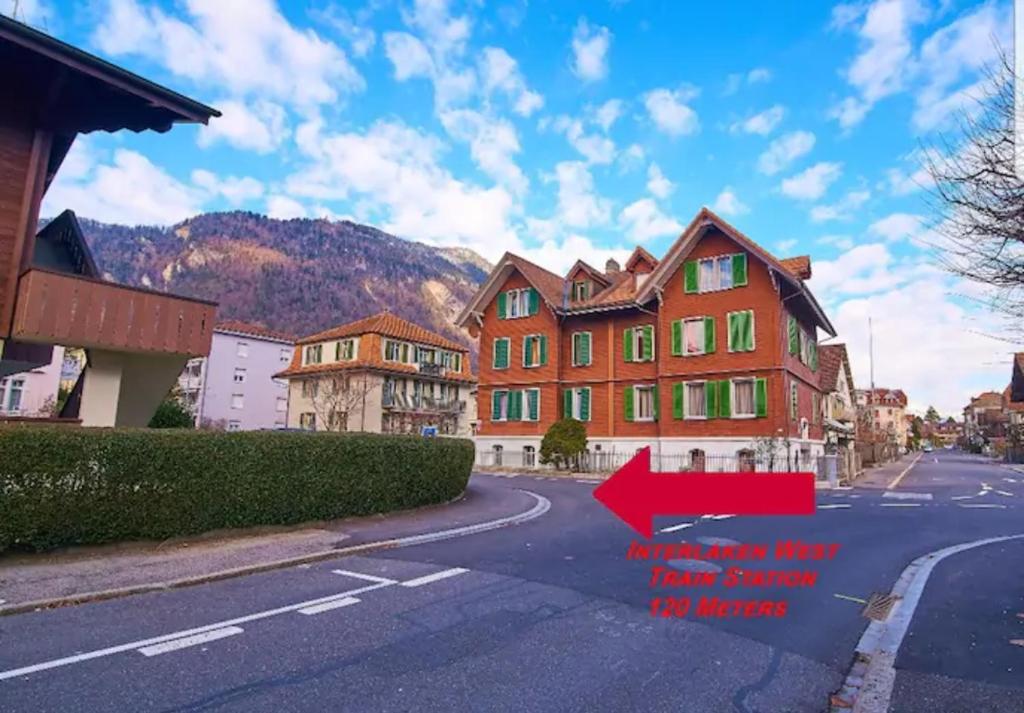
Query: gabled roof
x=388 y=325
x=589 y=269
x=799 y=266
x=253 y=330
x=987 y=399
x=1017 y=378
x=706 y=218
x=639 y=254
x=832 y=359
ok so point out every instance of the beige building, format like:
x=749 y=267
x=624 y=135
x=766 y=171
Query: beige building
x=883 y=415
x=381 y=374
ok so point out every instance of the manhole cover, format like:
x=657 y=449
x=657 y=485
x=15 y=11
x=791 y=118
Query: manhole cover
x=879 y=606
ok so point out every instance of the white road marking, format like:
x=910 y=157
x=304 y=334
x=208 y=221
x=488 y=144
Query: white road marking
x=427 y=579
x=195 y=640
x=1010 y=480
x=963 y=497
x=1003 y=493
x=896 y=481
x=834 y=506
x=680 y=526
x=906 y=495
x=901 y=505
x=981 y=505
x=716 y=517
x=367 y=577
x=328 y=606
x=881 y=641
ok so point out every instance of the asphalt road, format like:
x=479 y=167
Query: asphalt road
x=551 y=616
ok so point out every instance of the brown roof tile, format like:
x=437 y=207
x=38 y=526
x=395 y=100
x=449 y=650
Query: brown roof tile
x=388 y=325
x=550 y=285
x=373 y=364
x=799 y=266
x=830 y=358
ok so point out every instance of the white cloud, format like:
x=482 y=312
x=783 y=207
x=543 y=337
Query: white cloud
x=759 y=74
x=784 y=150
x=129 y=190
x=897 y=226
x=408 y=56
x=784 y=246
x=354 y=27
x=596 y=148
x=734 y=82
x=37 y=13
x=669 y=111
x=590 y=51
x=244 y=47
x=841 y=210
x=285 y=208
x=234 y=190
x=500 y=72
x=493 y=143
x=657 y=184
x=762 y=123
x=560 y=256
x=259 y=127
x=842 y=242
x=643 y=220
x=606 y=114
x=902 y=183
x=579 y=205
x=728 y=203
x=812 y=183
x=631 y=158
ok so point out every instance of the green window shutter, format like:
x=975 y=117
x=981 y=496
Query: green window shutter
x=690 y=276
x=576 y=348
x=515 y=407
x=585 y=404
x=657 y=404
x=677 y=400
x=502 y=303
x=648 y=343
x=527 y=351
x=534 y=301
x=739 y=270
x=734 y=331
x=724 y=399
x=794 y=335
x=711 y=399
x=495 y=406
x=627 y=344
x=814 y=355
x=585 y=343
x=709 y=335
x=761 y=397
x=494 y=354
x=501 y=348
x=533 y=405
x=567 y=403
x=543 y=349
x=748 y=330
x=677 y=338
x=627 y=398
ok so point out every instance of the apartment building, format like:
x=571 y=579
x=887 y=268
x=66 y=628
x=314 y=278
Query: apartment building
x=840 y=412
x=883 y=415
x=698 y=354
x=985 y=419
x=234 y=388
x=381 y=374
x=32 y=393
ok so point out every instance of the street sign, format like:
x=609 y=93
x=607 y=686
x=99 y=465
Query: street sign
x=428 y=431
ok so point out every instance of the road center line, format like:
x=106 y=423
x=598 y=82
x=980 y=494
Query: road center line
x=901 y=505
x=427 y=579
x=328 y=606
x=834 y=506
x=196 y=640
x=906 y=496
x=675 y=528
x=896 y=481
x=982 y=505
x=367 y=577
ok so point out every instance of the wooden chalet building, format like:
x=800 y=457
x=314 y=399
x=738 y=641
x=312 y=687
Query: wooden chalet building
x=51 y=292
x=695 y=355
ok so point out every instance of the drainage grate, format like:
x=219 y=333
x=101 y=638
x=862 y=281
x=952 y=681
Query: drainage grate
x=879 y=606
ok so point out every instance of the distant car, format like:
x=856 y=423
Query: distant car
x=928 y=448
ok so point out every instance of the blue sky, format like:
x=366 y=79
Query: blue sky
x=562 y=130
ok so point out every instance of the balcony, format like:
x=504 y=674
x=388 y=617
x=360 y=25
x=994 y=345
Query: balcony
x=421 y=404
x=428 y=369
x=60 y=308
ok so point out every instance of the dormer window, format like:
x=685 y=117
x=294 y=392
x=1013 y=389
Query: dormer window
x=314 y=354
x=581 y=290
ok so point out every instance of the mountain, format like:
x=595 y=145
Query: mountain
x=298 y=276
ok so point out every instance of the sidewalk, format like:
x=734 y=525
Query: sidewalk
x=77 y=574
x=879 y=477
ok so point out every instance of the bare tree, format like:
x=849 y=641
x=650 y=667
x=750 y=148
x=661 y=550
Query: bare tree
x=334 y=398
x=978 y=199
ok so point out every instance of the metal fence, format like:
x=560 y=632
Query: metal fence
x=602 y=462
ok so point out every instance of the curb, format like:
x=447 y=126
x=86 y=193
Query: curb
x=540 y=507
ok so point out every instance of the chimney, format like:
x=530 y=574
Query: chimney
x=611 y=267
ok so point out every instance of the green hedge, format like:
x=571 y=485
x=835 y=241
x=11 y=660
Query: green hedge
x=67 y=486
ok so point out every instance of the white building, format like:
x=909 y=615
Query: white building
x=34 y=392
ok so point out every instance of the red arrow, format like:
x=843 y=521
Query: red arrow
x=636 y=494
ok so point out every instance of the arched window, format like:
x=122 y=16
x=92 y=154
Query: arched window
x=529 y=456
x=747 y=461
x=698 y=462
x=497 y=454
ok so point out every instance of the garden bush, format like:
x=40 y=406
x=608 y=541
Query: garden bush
x=563 y=443
x=66 y=486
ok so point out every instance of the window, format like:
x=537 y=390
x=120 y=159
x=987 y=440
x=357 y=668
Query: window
x=314 y=354
x=309 y=388
x=529 y=456
x=280 y=383
x=794 y=403
x=532 y=412
x=518 y=303
x=743 y=398
x=498 y=452
x=741 y=331
x=239 y=376
x=815 y=407
x=243 y=349
x=645 y=403
x=337 y=421
x=345 y=350
x=746 y=460
x=638 y=343
x=695 y=335
x=426 y=355
x=502 y=347
x=234 y=425
x=282 y=404
x=576 y=403
x=696 y=400
x=581 y=342
x=697 y=460
x=15 y=390
x=392 y=350
x=722 y=272
x=580 y=290
x=499 y=405
x=535 y=350
x=237 y=401
x=307 y=421
x=286 y=356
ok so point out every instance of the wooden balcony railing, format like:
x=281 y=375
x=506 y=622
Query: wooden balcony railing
x=58 y=308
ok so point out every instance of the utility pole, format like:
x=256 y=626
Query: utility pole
x=871 y=354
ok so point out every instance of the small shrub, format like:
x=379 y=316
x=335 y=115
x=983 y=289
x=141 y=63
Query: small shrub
x=66 y=486
x=171 y=413
x=563 y=443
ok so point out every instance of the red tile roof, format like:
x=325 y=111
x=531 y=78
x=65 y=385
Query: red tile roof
x=254 y=330
x=388 y=325
x=799 y=266
x=832 y=358
x=372 y=364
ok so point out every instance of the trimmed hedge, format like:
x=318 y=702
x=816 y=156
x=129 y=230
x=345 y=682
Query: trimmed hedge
x=68 y=486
